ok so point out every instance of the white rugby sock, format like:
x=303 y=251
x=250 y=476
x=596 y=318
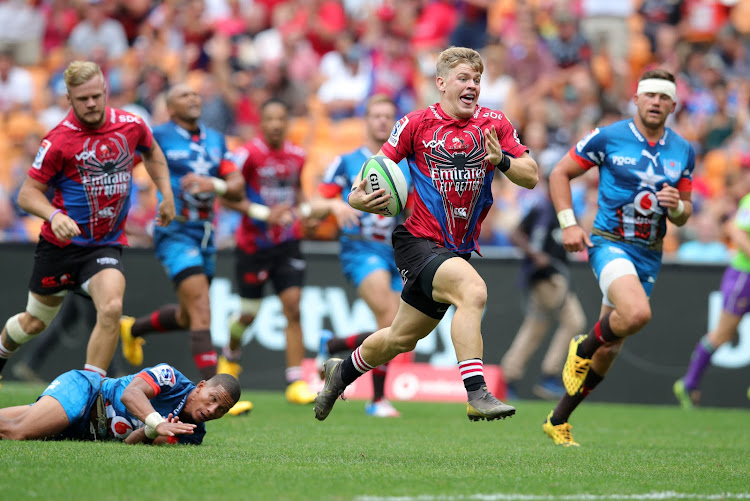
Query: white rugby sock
x=5 y=352
x=94 y=368
x=359 y=362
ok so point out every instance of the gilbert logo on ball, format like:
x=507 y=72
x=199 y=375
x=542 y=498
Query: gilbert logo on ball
x=383 y=173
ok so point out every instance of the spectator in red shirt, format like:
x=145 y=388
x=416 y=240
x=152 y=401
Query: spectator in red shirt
x=59 y=20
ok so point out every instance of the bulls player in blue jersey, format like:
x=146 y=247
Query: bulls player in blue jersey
x=200 y=168
x=88 y=161
x=645 y=179
x=453 y=149
x=366 y=253
x=157 y=405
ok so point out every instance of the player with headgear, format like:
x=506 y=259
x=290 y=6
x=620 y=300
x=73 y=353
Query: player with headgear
x=645 y=179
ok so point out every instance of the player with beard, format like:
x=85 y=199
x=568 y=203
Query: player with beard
x=453 y=149
x=268 y=242
x=201 y=169
x=88 y=161
x=645 y=178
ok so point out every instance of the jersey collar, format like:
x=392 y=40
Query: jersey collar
x=662 y=141
x=439 y=113
x=72 y=120
x=187 y=135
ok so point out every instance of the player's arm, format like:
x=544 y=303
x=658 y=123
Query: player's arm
x=136 y=398
x=278 y=214
x=33 y=200
x=575 y=239
x=678 y=203
x=373 y=202
x=327 y=197
x=235 y=185
x=345 y=215
x=156 y=166
x=522 y=170
x=139 y=436
x=230 y=187
x=327 y=200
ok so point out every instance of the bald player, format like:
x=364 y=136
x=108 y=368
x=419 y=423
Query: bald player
x=200 y=169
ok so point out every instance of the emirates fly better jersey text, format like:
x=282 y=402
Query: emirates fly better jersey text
x=452 y=180
x=91 y=171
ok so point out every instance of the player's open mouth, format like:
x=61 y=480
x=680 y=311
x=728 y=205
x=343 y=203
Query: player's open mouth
x=467 y=98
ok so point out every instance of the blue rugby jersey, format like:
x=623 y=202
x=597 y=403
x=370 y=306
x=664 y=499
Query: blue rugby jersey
x=631 y=171
x=203 y=153
x=337 y=181
x=172 y=389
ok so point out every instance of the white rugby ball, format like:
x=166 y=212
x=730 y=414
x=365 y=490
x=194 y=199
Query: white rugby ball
x=383 y=173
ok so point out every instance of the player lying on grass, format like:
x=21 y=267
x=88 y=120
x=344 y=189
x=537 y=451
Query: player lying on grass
x=81 y=405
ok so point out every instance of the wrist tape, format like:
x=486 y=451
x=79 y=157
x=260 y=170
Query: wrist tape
x=152 y=421
x=677 y=212
x=566 y=218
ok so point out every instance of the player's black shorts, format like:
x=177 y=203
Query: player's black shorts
x=417 y=260
x=67 y=268
x=283 y=265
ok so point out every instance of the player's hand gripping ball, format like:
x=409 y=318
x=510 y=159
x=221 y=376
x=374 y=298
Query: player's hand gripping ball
x=383 y=173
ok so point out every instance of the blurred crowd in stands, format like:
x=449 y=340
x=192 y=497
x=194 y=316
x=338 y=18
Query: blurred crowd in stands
x=556 y=68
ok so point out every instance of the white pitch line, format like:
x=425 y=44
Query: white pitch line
x=582 y=496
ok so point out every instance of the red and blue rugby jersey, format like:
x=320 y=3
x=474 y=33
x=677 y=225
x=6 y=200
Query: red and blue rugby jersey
x=91 y=173
x=452 y=180
x=272 y=177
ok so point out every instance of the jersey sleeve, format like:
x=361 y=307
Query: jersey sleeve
x=508 y=136
x=162 y=377
x=240 y=157
x=335 y=181
x=591 y=150
x=227 y=164
x=48 y=161
x=399 y=144
x=146 y=141
x=685 y=182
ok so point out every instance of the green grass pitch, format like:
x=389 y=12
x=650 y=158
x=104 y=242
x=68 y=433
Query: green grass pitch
x=433 y=452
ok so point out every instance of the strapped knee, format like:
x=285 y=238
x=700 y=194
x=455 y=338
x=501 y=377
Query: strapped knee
x=41 y=311
x=250 y=306
x=15 y=331
x=612 y=271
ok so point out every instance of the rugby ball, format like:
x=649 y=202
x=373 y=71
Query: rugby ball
x=383 y=173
